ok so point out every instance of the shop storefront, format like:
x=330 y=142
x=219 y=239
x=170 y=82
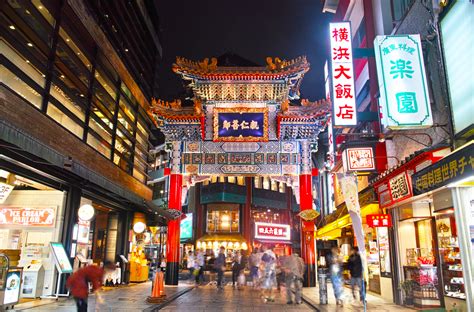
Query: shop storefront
x=31 y=217
x=449 y=185
x=426 y=253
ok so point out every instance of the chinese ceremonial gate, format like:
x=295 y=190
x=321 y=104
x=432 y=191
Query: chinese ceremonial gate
x=241 y=124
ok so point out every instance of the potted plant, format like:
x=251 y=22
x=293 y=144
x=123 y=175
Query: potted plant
x=407 y=287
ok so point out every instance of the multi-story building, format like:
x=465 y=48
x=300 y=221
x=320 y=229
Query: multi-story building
x=77 y=78
x=413 y=191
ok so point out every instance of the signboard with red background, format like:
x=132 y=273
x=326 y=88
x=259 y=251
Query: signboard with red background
x=396 y=186
x=379 y=220
x=28 y=216
x=272 y=231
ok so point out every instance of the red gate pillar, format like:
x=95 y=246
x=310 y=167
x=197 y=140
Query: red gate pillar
x=307 y=232
x=172 y=243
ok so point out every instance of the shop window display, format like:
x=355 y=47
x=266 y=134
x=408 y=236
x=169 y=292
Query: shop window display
x=450 y=257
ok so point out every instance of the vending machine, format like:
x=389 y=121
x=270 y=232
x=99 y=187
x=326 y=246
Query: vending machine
x=33 y=281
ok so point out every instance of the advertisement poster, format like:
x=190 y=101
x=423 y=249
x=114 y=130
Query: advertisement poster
x=384 y=248
x=186 y=231
x=62 y=260
x=12 y=289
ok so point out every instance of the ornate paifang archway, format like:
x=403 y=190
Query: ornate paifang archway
x=241 y=124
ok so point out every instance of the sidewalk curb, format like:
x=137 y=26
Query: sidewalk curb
x=309 y=302
x=169 y=300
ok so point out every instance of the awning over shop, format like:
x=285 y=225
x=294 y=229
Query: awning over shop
x=333 y=229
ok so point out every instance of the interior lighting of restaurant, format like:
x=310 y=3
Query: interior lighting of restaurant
x=218 y=244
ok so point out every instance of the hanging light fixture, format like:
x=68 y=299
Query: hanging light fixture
x=244 y=246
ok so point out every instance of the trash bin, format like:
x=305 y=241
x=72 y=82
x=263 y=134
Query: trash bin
x=323 y=286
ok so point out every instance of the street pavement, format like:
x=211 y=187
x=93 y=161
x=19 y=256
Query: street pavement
x=121 y=299
x=205 y=298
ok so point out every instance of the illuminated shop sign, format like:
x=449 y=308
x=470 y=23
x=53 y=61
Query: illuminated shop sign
x=455 y=167
x=27 y=216
x=404 y=95
x=342 y=74
x=379 y=220
x=394 y=190
x=358 y=159
x=272 y=231
x=186 y=227
x=241 y=124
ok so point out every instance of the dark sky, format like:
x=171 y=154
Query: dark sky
x=252 y=29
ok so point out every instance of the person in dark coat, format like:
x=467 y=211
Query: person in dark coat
x=219 y=265
x=355 y=267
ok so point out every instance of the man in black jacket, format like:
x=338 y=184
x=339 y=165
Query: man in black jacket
x=355 y=267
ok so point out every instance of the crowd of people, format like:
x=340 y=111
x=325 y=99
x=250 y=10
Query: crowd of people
x=268 y=272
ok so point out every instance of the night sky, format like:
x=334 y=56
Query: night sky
x=251 y=29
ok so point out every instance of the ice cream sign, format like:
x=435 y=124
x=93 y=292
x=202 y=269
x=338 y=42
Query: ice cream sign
x=27 y=216
x=272 y=231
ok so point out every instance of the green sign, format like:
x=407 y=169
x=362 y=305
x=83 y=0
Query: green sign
x=404 y=97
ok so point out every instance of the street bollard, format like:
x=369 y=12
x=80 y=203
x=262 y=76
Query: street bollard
x=323 y=286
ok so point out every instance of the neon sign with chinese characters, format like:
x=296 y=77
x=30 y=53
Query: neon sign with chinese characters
x=404 y=95
x=342 y=70
x=241 y=124
x=272 y=231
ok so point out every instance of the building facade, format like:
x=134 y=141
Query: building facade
x=420 y=203
x=74 y=129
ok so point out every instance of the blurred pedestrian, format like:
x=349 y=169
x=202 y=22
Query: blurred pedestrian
x=254 y=263
x=335 y=268
x=219 y=265
x=190 y=263
x=244 y=261
x=269 y=274
x=78 y=283
x=293 y=268
x=355 y=267
x=199 y=267
x=235 y=267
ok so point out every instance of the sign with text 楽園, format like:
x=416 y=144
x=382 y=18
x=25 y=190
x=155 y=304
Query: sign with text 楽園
x=241 y=124
x=453 y=168
x=394 y=190
x=404 y=97
x=342 y=74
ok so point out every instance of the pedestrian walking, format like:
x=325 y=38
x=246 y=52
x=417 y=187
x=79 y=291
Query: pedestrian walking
x=355 y=268
x=219 y=265
x=190 y=263
x=269 y=275
x=235 y=267
x=335 y=268
x=254 y=263
x=244 y=261
x=293 y=268
x=199 y=267
x=78 y=283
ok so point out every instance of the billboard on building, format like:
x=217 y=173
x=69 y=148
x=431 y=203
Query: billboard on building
x=404 y=96
x=342 y=75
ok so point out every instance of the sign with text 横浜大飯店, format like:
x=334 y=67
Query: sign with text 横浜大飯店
x=272 y=231
x=241 y=124
x=453 y=168
x=342 y=74
x=404 y=96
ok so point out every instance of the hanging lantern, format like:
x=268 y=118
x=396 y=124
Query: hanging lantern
x=215 y=244
x=244 y=246
x=198 y=245
x=224 y=244
x=209 y=245
x=237 y=245
x=230 y=245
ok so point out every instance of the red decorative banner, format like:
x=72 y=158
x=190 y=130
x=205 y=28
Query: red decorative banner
x=379 y=220
x=28 y=216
